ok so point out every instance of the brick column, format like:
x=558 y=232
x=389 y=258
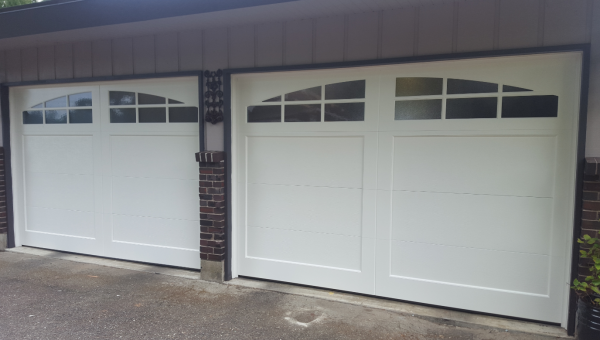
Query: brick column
x=590 y=215
x=212 y=214
x=3 y=223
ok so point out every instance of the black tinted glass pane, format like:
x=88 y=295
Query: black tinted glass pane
x=148 y=99
x=303 y=113
x=344 y=112
x=38 y=106
x=183 y=115
x=462 y=108
x=346 y=90
x=264 y=114
x=33 y=117
x=121 y=98
x=56 y=116
x=530 y=106
x=153 y=115
x=80 y=99
x=274 y=99
x=418 y=86
x=418 y=109
x=122 y=115
x=508 y=88
x=173 y=101
x=80 y=116
x=458 y=86
x=58 y=102
x=313 y=93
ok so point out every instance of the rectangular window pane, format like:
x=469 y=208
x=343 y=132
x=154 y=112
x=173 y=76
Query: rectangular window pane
x=530 y=107
x=264 y=114
x=121 y=98
x=33 y=117
x=344 y=112
x=58 y=102
x=56 y=116
x=313 y=93
x=80 y=99
x=406 y=87
x=459 y=86
x=122 y=115
x=418 y=109
x=153 y=115
x=148 y=99
x=346 y=90
x=80 y=116
x=464 y=108
x=303 y=113
x=183 y=114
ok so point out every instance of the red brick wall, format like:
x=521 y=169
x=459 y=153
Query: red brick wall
x=3 y=223
x=590 y=215
x=212 y=205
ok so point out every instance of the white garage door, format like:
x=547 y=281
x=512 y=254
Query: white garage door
x=108 y=169
x=447 y=183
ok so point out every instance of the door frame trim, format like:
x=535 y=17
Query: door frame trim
x=6 y=133
x=581 y=131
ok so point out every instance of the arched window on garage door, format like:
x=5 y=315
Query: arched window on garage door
x=338 y=102
x=71 y=109
x=419 y=98
x=132 y=107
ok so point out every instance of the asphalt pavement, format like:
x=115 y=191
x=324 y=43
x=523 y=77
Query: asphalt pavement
x=46 y=298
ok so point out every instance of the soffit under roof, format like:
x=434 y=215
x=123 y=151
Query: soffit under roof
x=290 y=10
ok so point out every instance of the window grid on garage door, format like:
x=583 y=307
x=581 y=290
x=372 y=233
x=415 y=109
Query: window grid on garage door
x=133 y=107
x=421 y=98
x=337 y=102
x=70 y=109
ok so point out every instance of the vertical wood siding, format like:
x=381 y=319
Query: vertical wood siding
x=398 y=32
x=82 y=59
x=467 y=25
x=122 y=56
x=476 y=24
x=102 y=58
x=143 y=55
x=46 y=63
x=329 y=39
x=298 y=43
x=63 y=61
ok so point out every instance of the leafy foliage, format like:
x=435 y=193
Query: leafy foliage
x=11 y=3
x=589 y=289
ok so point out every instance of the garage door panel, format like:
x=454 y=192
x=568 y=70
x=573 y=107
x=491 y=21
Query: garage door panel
x=59 y=154
x=309 y=248
x=493 y=165
x=315 y=161
x=336 y=211
x=504 y=223
x=482 y=268
x=159 y=232
x=152 y=254
x=153 y=197
x=468 y=297
x=60 y=191
x=60 y=221
x=154 y=156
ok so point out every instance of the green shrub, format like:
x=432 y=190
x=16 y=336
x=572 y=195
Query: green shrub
x=589 y=289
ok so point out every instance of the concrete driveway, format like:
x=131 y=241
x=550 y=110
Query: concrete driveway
x=48 y=298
